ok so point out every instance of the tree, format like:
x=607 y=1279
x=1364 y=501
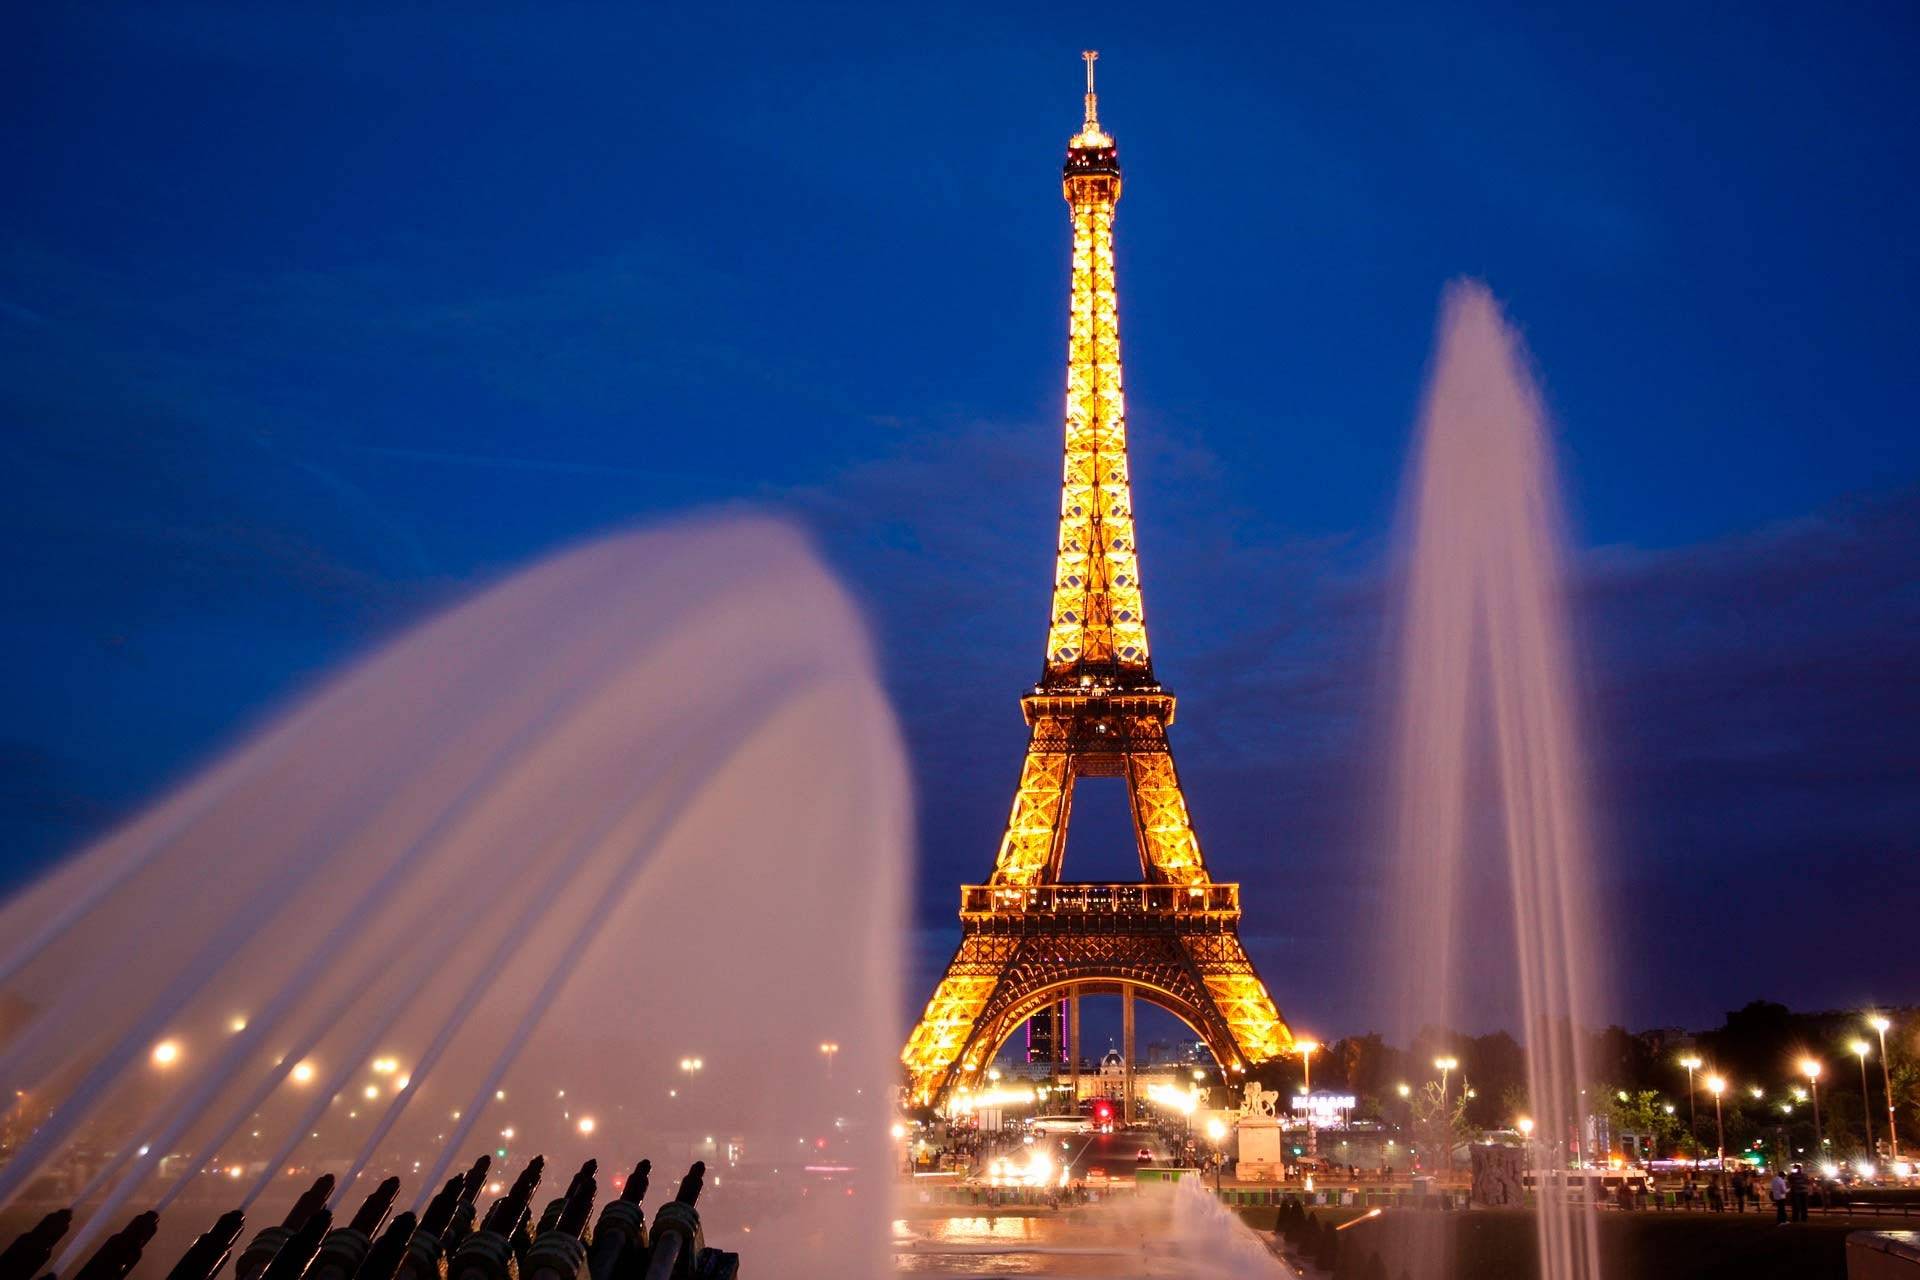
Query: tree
x=1439 y=1124
x=1641 y=1111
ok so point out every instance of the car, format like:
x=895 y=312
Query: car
x=1144 y=1155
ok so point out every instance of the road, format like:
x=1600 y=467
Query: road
x=1115 y=1153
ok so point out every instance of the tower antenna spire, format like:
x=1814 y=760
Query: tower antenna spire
x=1091 y=56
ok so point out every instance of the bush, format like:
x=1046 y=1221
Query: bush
x=1327 y=1248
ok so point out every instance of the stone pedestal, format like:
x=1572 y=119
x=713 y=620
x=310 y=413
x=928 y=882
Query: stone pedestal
x=1257 y=1141
x=1497 y=1175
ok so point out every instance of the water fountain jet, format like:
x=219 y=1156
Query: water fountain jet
x=1486 y=669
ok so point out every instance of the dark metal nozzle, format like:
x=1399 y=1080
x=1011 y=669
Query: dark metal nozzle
x=383 y=1260
x=31 y=1248
x=309 y=1203
x=689 y=1193
x=204 y=1258
x=297 y=1252
x=506 y=1212
x=636 y=1188
x=122 y=1250
x=374 y=1209
x=579 y=1200
x=440 y=1209
x=475 y=1178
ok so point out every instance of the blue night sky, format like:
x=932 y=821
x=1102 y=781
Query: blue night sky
x=314 y=317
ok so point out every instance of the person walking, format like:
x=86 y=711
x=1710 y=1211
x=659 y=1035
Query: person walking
x=1777 y=1192
x=1797 y=1192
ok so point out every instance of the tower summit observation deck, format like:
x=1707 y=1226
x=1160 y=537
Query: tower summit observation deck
x=1029 y=940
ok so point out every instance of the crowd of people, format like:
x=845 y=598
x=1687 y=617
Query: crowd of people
x=1790 y=1191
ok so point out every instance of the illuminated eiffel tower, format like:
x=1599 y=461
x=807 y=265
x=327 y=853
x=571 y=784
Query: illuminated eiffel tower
x=1031 y=942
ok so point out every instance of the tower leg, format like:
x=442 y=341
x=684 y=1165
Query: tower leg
x=1073 y=1042
x=1126 y=1052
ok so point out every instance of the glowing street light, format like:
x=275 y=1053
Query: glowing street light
x=1810 y=1068
x=166 y=1053
x=585 y=1125
x=1306 y=1049
x=1881 y=1025
x=302 y=1072
x=830 y=1049
x=692 y=1066
x=1717 y=1085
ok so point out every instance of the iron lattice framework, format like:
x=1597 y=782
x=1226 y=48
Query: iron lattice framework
x=1027 y=937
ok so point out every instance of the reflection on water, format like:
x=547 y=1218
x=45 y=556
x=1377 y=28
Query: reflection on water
x=1146 y=1235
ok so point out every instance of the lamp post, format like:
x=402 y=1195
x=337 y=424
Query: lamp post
x=1692 y=1063
x=1445 y=1065
x=1880 y=1024
x=830 y=1049
x=1810 y=1068
x=1305 y=1049
x=1860 y=1049
x=1217 y=1134
x=1717 y=1085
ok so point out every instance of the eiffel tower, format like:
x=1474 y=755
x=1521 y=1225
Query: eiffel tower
x=1031 y=942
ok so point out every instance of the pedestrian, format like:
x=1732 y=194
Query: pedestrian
x=1688 y=1191
x=1797 y=1192
x=1716 y=1198
x=1742 y=1187
x=1777 y=1192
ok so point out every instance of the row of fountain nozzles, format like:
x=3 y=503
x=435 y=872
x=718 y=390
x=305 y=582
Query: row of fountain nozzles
x=441 y=1244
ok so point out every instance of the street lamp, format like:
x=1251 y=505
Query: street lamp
x=1216 y=1134
x=1445 y=1065
x=831 y=1049
x=1860 y=1048
x=1305 y=1049
x=1880 y=1024
x=1717 y=1085
x=1810 y=1068
x=1692 y=1063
